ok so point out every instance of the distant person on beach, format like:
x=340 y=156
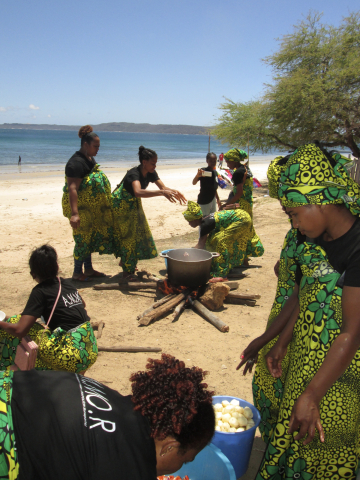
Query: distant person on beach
x=19 y=161
x=86 y=203
x=208 y=197
x=133 y=240
x=69 y=342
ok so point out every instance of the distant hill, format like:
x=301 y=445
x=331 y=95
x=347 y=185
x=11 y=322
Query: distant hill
x=118 y=127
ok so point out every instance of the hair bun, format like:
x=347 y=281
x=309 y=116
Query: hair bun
x=141 y=148
x=85 y=130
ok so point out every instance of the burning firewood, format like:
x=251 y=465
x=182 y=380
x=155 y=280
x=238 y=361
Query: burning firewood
x=178 y=310
x=158 y=312
x=156 y=305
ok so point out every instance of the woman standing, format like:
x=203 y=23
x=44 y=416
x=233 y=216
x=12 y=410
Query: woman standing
x=86 y=430
x=133 y=240
x=87 y=204
x=242 y=180
x=317 y=433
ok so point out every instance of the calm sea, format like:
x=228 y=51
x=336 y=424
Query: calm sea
x=44 y=150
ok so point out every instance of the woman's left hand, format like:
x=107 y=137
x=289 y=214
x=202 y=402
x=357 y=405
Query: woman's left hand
x=305 y=418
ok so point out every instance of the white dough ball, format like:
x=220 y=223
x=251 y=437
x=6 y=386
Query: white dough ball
x=226 y=417
x=235 y=402
x=218 y=415
x=233 y=422
x=228 y=409
x=218 y=429
x=232 y=430
x=224 y=403
x=218 y=407
x=242 y=421
x=240 y=429
x=248 y=412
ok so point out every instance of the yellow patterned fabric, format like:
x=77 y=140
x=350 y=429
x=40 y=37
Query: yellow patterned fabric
x=95 y=233
x=193 y=211
x=236 y=155
x=310 y=178
x=74 y=350
x=274 y=173
x=9 y=465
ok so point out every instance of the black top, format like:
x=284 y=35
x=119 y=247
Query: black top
x=71 y=427
x=344 y=255
x=208 y=187
x=207 y=224
x=79 y=166
x=69 y=311
x=135 y=174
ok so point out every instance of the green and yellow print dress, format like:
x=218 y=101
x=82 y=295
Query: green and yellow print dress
x=133 y=240
x=267 y=390
x=318 y=325
x=95 y=233
x=231 y=238
x=9 y=465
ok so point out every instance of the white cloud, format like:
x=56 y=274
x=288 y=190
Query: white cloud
x=49 y=116
x=2 y=109
x=32 y=107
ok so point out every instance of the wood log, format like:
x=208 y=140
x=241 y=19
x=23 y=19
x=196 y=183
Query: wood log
x=243 y=296
x=158 y=312
x=156 y=305
x=100 y=329
x=129 y=349
x=214 y=295
x=212 y=318
x=233 y=285
x=95 y=323
x=178 y=310
x=240 y=301
x=126 y=286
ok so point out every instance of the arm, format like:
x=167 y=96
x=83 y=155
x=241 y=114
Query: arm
x=177 y=195
x=197 y=176
x=305 y=415
x=73 y=185
x=218 y=200
x=202 y=241
x=238 y=194
x=19 y=329
x=142 y=193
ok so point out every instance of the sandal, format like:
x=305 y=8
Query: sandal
x=95 y=274
x=82 y=278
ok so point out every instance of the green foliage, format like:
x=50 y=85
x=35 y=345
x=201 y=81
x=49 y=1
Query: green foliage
x=315 y=93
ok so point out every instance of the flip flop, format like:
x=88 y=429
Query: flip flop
x=82 y=278
x=96 y=274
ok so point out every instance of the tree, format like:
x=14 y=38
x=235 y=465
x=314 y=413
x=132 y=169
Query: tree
x=315 y=93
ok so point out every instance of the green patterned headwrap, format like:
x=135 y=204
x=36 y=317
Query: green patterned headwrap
x=236 y=155
x=193 y=211
x=274 y=173
x=311 y=179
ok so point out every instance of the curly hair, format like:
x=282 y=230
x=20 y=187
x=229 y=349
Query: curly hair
x=43 y=262
x=175 y=401
x=86 y=134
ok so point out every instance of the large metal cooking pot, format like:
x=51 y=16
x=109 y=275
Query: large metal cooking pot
x=189 y=267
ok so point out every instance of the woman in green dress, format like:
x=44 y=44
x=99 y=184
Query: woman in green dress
x=227 y=232
x=86 y=203
x=242 y=180
x=317 y=433
x=133 y=240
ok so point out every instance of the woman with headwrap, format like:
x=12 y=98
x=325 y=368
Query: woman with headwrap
x=321 y=392
x=227 y=232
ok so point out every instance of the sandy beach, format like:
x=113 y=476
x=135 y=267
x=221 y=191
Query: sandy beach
x=32 y=216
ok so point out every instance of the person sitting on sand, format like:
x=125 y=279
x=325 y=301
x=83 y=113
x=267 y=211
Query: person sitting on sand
x=208 y=197
x=86 y=203
x=69 y=342
x=133 y=240
x=228 y=232
x=59 y=425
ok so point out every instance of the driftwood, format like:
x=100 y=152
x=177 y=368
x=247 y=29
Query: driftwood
x=126 y=286
x=213 y=319
x=232 y=284
x=158 y=312
x=178 y=310
x=239 y=301
x=129 y=349
x=97 y=325
x=214 y=295
x=243 y=296
x=156 y=305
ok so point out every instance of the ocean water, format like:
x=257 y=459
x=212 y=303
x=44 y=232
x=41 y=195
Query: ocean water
x=46 y=150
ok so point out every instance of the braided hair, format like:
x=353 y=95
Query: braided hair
x=175 y=400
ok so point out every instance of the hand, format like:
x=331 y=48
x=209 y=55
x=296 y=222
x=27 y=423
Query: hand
x=169 y=195
x=250 y=355
x=305 y=417
x=199 y=173
x=75 y=221
x=276 y=268
x=274 y=359
x=180 y=197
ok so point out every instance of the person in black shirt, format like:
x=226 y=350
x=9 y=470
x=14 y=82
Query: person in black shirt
x=133 y=240
x=68 y=342
x=87 y=204
x=67 y=426
x=208 y=197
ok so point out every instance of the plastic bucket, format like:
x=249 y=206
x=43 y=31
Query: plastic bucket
x=166 y=251
x=209 y=464
x=237 y=446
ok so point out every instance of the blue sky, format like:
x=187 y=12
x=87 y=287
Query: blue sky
x=76 y=62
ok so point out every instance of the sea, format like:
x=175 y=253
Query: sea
x=49 y=150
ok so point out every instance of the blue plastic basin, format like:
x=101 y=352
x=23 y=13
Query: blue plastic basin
x=209 y=464
x=166 y=251
x=237 y=446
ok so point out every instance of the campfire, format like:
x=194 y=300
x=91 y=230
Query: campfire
x=204 y=300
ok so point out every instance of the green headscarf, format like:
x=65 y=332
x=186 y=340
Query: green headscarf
x=193 y=211
x=274 y=173
x=311 y=179
x=236 y=155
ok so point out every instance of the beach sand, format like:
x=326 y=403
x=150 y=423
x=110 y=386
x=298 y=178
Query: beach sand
x=32 y=216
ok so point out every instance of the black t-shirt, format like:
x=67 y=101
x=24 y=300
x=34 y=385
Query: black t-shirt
x=207 y=225
x=344 y=255
x=79 y=166
x=208 y=187
x=69 y=312
x=71 y=427
x=135 y=174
